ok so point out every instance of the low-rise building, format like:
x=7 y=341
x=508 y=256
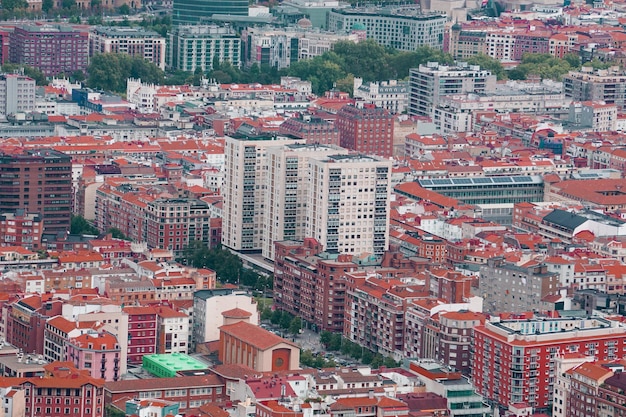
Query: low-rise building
x=136 y=42
x=391 y=95
x=188 y=391
x=242 y=343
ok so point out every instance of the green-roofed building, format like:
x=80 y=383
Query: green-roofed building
x=167 y=365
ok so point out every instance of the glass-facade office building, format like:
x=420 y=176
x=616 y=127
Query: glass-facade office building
x=189 y=12
x=488 y=190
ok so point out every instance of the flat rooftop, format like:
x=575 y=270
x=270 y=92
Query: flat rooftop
x=177 y=362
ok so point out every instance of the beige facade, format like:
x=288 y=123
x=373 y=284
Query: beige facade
x=244 y=191
x=349 y=199
x=286 y=200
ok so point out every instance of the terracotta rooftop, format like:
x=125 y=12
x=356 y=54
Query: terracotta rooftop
x=254 y=335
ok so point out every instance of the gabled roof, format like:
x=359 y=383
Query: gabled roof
x=254 y=335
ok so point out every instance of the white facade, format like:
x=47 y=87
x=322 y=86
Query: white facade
x=404 y=28
x=175 y=332
x=286 y=208
x=195 y=46
x=391 y=95
x=208 y=306
x=17 y=94
x=13 y=402
x=428 y=83
x=245 y=186
x=146 y=44
x=349 y=200
x=500 y=45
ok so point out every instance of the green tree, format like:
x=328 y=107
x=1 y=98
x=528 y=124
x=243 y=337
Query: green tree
x=488 y=63
x=277 y=315
x=377 y=361
x=11 y=5
x=285 y=320
x=368 y=59
x=34 y=73
x=111 y=411
x=545 y=66
x=68 y=4
x=356 y=351
x=346 y=84
x=124 y=9
x=335 y=342
x=110 y=71
x=295 y=326
x=307 y=358
x=596 y=64
x=367 y=357
x=318 y=362
x=390 y=362
x=266 y=314
x=178 y=78
x=80 y=226
x=346 y=347
x=322 y=73
x=78 y=76
x=573 y=60
x=402 y=62
x=325 y=338
x=117 y=233
x=47 y=5
x=95 y=20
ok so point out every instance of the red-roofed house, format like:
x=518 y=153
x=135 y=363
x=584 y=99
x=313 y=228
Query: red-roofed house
x=245 y=344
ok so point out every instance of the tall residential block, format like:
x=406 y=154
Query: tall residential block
x=287 y=197
x=367 y=129
x=38 y=181
x=17 y=94
x=349 y=201
x=199 y=46
x=431 y=81
x=136 y=42
x=245 y=187
x=52 y=49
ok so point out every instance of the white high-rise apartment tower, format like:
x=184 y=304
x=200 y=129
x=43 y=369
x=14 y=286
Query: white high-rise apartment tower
x=348 y=204
x=282 y=189
x=244 y=190
x=286 y=200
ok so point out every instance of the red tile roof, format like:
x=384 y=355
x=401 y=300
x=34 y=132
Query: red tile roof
x=254 y=335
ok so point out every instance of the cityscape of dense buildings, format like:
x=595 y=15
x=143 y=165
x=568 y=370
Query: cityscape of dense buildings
x=444 y=242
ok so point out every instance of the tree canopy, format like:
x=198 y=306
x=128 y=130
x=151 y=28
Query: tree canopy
x=544 y=66
x=368 y=60
x=34 y=73
x=111 y=70
x=80 y=226
x=488 y=63
x=226 y=265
